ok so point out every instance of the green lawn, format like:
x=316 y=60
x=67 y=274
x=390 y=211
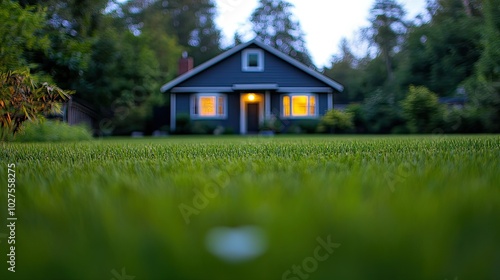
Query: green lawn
x=421 y=207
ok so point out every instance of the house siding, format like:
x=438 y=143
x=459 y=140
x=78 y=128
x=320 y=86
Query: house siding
x=229 y=72
x=322 y=104
x=183 y=107
x=183 y=104
x=276 y=104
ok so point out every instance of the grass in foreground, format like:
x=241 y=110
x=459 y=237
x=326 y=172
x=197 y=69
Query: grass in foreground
x=395 y=207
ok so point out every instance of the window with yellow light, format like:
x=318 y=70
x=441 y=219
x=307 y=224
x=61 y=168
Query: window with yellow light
x=208 y=106
x=299 y=105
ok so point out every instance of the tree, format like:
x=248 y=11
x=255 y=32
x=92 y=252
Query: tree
x=440 y=9
x=78 y=18
x=488 y=66
x=123 y=79
x=441 y=54
x=345 y=69
x=273 y=23
x=487 y=94
x=22 y=99
x=387 y=30
x=191 y=22
x=382 y=114
x=20 y=32
x=163 y=43
x=422 y=110
x=237 y=39
x=70 y=27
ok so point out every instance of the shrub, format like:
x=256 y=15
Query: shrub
x=308 y=126
x=53 y=131
x=183 y=124
x=202 y=127
x=336 y=121
x=422 y=110
x=358 y=118
x=381 y=113
x=465 y=120
x=228 y=131
x=23 y=99
x=271 y=124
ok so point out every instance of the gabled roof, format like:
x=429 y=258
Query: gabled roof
x=241 y=47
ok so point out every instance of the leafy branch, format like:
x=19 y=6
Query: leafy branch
x=22 y=99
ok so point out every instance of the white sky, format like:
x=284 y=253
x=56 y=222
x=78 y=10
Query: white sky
x=325 y=22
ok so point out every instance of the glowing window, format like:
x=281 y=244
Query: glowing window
x=208 y=106
x=312 y=105
x=299 y=106
x=286 y=106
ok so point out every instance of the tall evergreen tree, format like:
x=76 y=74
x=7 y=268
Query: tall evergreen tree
x=486 y=88
x=387 y=30
x=344 y=69
x=192 y=22
x=273 y=23
x=489 y=64
x=441 y=53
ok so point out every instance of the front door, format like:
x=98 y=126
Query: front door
x=252 y=117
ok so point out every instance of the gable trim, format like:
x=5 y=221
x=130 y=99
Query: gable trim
x=255 y=87
x=250 y=87
x=333 y=84
x=201 y=89
x=305 y=89
x=301 y=66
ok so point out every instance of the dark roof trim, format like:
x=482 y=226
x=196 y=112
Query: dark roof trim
x=256 y=87
x=239 y=48
x=201 y=89
x=305 y=90
x=251 y=87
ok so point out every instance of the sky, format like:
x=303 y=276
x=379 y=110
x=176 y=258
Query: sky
x=324 y=22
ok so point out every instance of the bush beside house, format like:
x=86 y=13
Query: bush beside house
x=53 y=131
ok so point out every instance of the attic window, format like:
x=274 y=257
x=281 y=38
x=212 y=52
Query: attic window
x=253 y=60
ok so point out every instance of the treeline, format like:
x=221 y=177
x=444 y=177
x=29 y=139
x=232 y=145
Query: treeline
x=116 y=54
x=452 y=52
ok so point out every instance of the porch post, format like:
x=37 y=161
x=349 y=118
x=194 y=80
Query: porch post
x=243 y=129
x=330 y=101
x=173 y=112
x=267 y=105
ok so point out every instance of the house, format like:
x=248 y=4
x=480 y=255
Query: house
x=247 y=85
x=453 y=102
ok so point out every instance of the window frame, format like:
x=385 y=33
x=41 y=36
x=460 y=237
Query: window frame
x=195 y=102
x=290 y=108
x=244 y=60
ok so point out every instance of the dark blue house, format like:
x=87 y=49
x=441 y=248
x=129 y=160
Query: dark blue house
x=247 y=85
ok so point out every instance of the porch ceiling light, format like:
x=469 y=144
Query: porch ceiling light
x=251 y=97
